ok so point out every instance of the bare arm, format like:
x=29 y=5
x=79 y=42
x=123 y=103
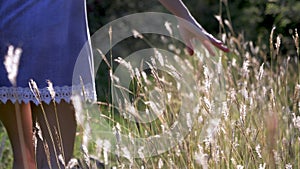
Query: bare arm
x=178 y=8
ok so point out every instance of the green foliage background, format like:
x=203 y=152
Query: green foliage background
x=252 y=18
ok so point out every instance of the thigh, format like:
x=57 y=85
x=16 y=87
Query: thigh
x=17 y=120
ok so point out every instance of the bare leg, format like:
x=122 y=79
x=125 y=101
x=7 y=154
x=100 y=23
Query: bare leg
x=63 y=132
x=9 y=120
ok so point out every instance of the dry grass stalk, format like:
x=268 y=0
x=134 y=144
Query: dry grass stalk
x=34 y=88
x=11 y=64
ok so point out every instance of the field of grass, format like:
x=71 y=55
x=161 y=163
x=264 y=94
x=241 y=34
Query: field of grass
x=259 y=125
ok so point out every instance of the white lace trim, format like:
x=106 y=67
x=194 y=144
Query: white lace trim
x=26 y=95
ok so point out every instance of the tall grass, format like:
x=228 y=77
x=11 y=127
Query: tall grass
x=260 y=122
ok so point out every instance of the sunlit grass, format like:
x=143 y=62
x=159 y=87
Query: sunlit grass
x=259 y=127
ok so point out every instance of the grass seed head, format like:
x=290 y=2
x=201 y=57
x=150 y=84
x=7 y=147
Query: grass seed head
x=11 y=63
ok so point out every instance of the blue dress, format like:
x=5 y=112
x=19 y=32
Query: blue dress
x=51 y=34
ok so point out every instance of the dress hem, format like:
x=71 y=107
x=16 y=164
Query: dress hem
x=46 y=95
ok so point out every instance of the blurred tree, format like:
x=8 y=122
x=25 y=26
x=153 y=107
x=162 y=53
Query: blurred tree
x=252 y=18
x=101 y=12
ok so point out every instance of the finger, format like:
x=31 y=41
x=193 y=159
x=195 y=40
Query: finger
x=207 y=45
x=190 y=51
x=189 y=47
x=187 y=41
x=219 y=44
x=205 y=39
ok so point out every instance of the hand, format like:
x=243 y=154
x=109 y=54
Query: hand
x=193 y=30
